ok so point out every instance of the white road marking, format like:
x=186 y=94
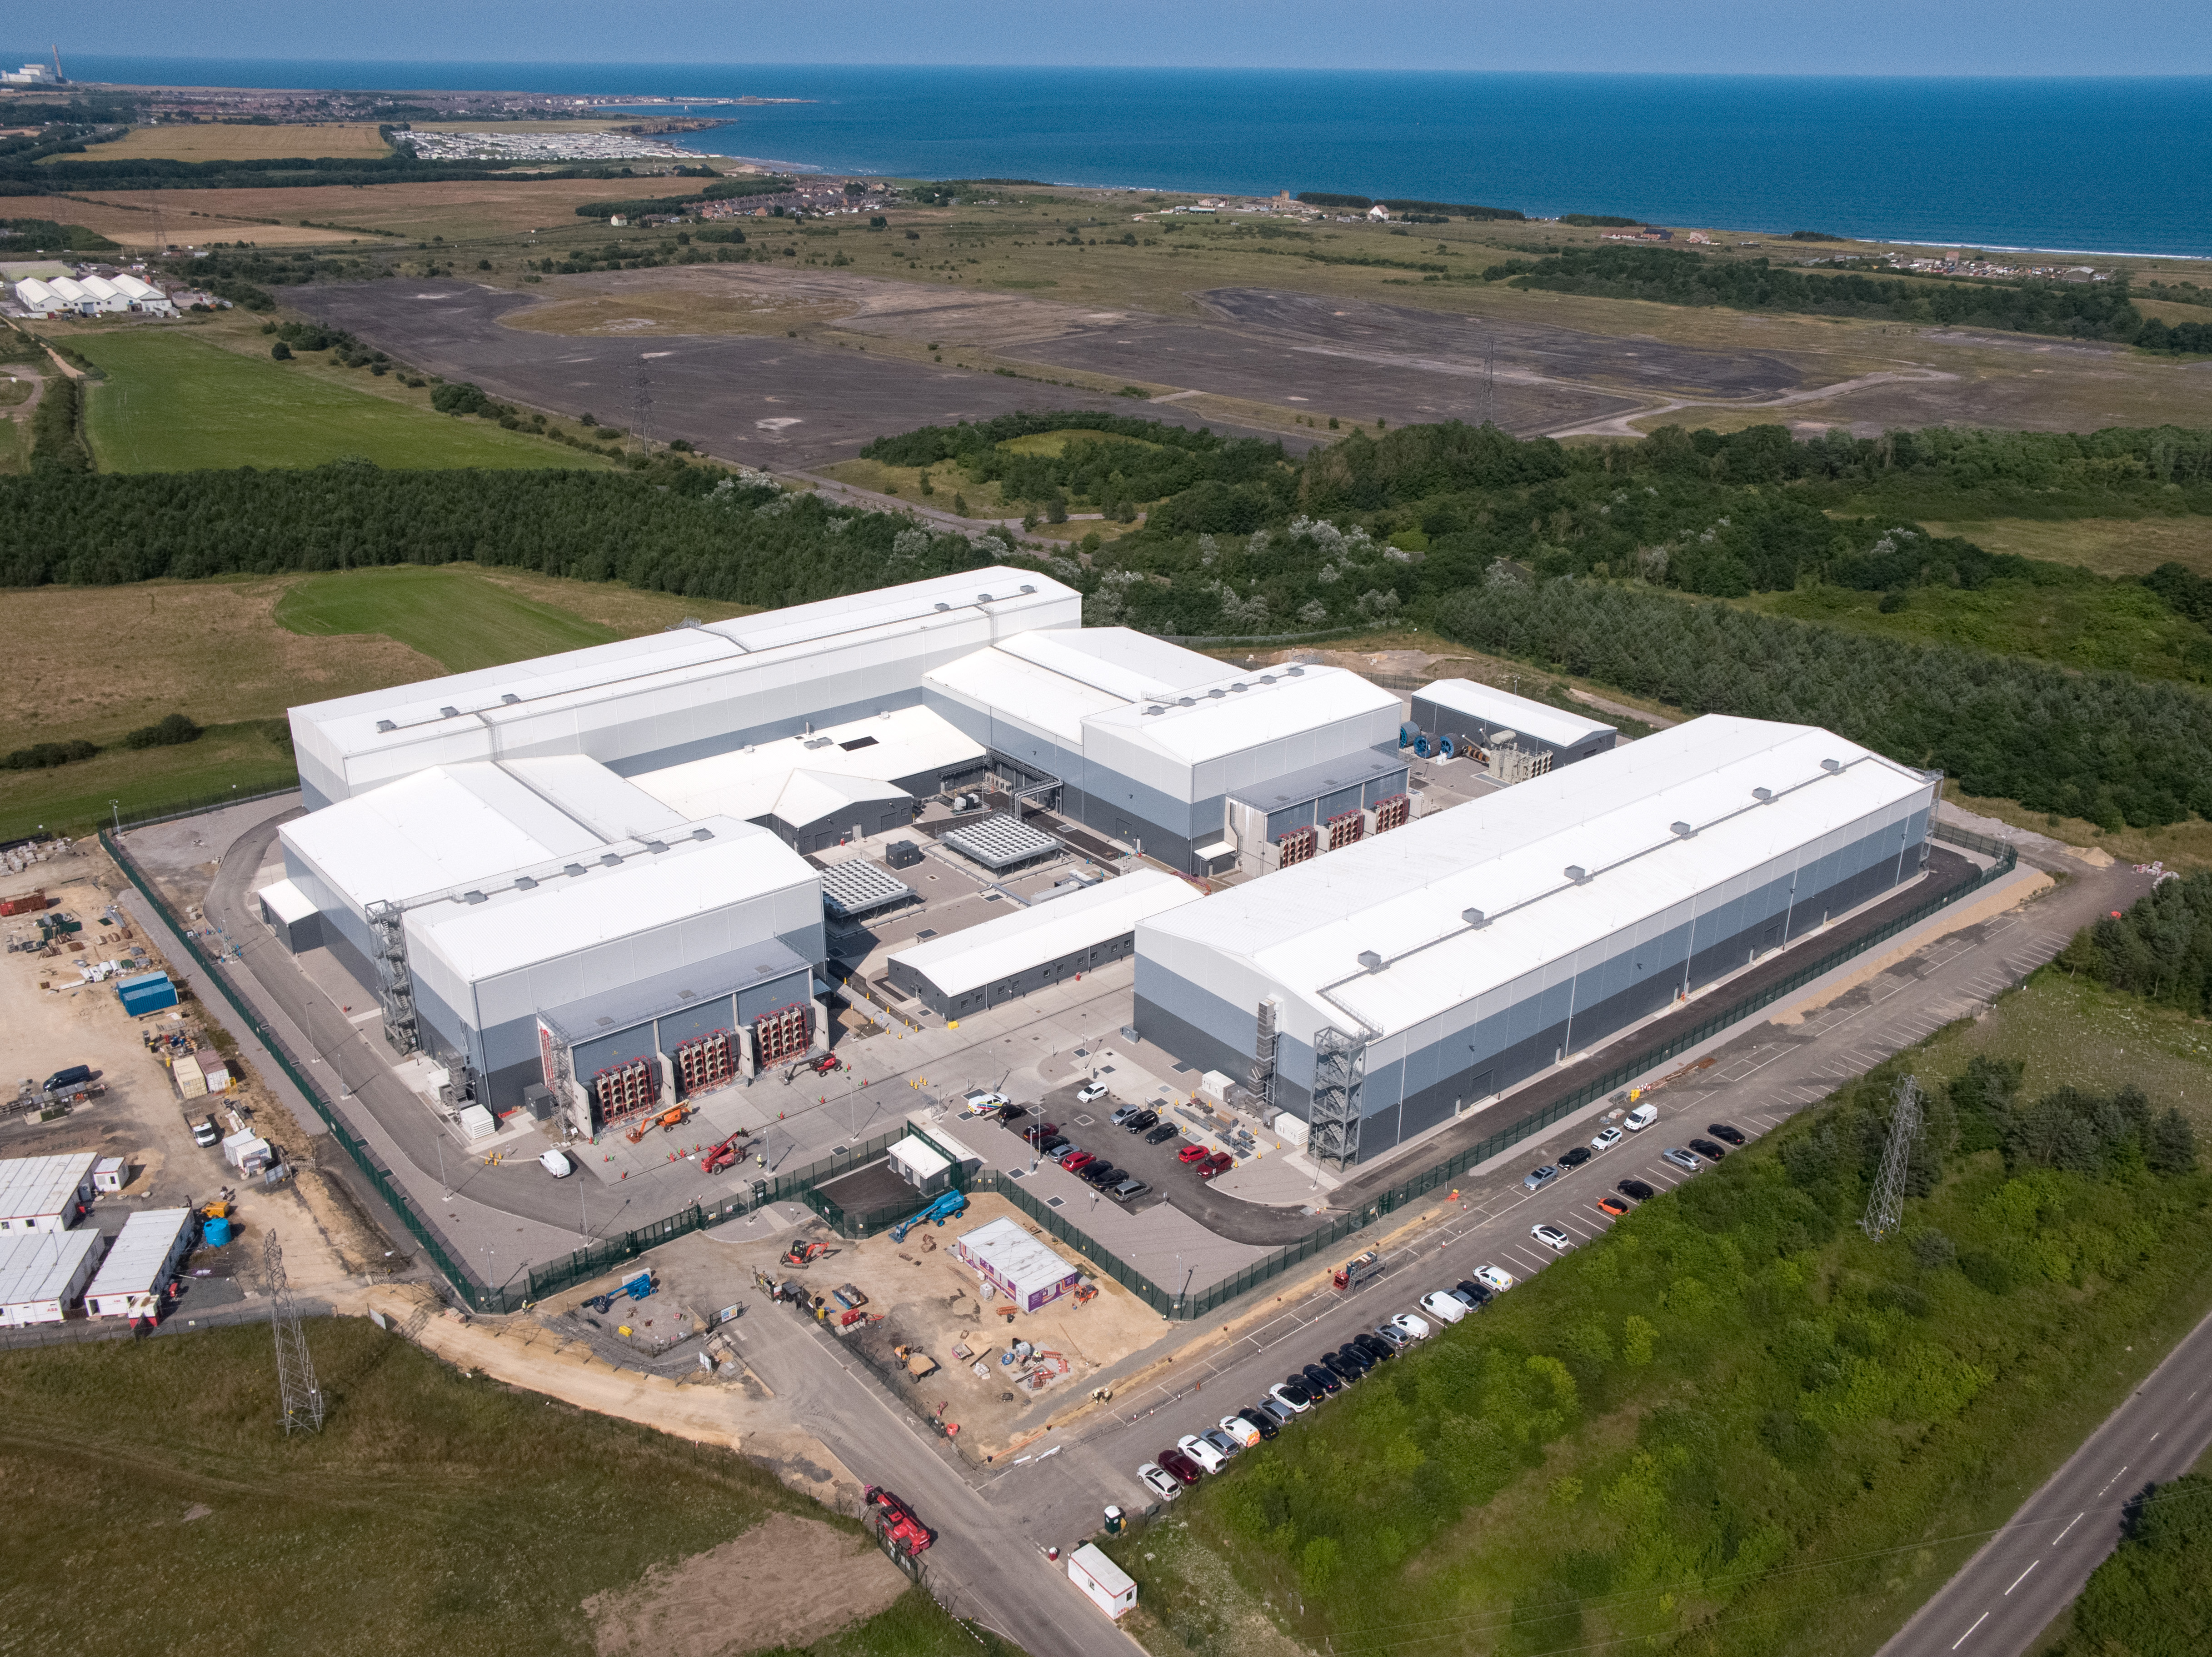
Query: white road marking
x=2070 y=1524
x=2022 y=1577
x=1961 y=1640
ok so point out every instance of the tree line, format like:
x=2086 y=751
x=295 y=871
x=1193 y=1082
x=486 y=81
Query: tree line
x=2078 y=310
x=45 y=235
x=1409 y=204
x=720 y=190
x=23 y=173
x=2160 y=947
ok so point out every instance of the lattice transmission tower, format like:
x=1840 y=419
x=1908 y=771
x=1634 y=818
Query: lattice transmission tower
x=300 y=1399
x=640 y=409
x=1886 y=1206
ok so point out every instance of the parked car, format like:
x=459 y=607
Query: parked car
x=1375 y=1346
x=1640 y=1118
x=1637 y=1190
x=1089 y=1091
x=1052 y=1144
x=1552 y=1237
x=1537 y=1179
x=1412 y=1328
x=556 y=1163
x=1706 y=1148
x=1159 y=1481
x=1239 y=1431
x=1100 y=1174
x=1277 y=1411
x=1292 y=1396
x=1445 y=1307
x=206 y=1133
x=1182 y=1466
x=1194 y=1154
x=1208 y=1458
x=1010 y=1114
x=1216 y=1165
x=1161 y=1135
x=1477 y=1294
x=1496 y=1279
x=1223 y=1441
x=1121 y=1113
x=1613 y=1205
x=1681 y=1158
x=1142 y=1120
x=1075 y=1159
x=1576 y=1156
x=1041 y=1130
x=1393 y=1336
x=1128 y=1190
x=1347 y=1369
x=1320 y=1381
x=1733 y=1135
x=1267 y=1425
x=1605 y=1139
x=983 y=1102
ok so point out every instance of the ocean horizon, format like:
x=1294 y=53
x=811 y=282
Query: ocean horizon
x=2108 y=166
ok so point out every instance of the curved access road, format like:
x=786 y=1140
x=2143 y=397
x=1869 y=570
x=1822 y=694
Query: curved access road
x=2007 y=1594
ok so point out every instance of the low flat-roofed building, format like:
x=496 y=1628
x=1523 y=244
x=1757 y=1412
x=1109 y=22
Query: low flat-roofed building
x=43 y=1273
x=1049 y=942
x=1016 y=1264
x=1482 y=716
x=135 y=1277
x=46 y=1193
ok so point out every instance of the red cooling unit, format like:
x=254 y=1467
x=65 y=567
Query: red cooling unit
x=1296 y=846
x=780 y=1035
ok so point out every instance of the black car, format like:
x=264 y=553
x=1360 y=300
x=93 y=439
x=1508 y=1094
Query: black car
x=1636 y=1191
x=1706 y=1148
x=1576 y=1157
x=1722 y=1131
x=1263 y=1422
x=1374 y=1346
x=1142 y=1120
x=1053 y=1144
x=1320 y=1381
x=1161 y=1135
x=1101 y=1174
x=1344 y=1368
x=1480 y=1294
x=1295 y=1390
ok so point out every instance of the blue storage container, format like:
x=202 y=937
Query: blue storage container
x=216 y=1233
x=148 y=992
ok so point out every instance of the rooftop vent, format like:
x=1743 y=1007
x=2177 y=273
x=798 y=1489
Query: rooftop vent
x=1266 y=679
x=1240 y=686
x=1296 y=672
x=1831 y=764
x=1217 y=693
x=525 y=883
x=609 y=860
x=1474 y=917
x=1576 y=873
x=451 y=713
x=656 y=846
x=385 y=725
x=983 y=598
x=572 y=869
x=1763 y=795
x=603 y=1021
x=1682 y=829
x=702 y=834
x=1370 y=961
x=1154 y=708
x=944 y=607
x=510 y=698
x=687 y=995
x=1028 y=590
x=472 y=897
x=1185 y=702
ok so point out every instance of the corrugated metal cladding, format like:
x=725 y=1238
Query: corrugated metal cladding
x=1508 y=933
x=1461 y=707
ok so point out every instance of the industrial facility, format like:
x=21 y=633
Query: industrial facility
x=1509 y=735
x=587 y=883
x=1381 y=992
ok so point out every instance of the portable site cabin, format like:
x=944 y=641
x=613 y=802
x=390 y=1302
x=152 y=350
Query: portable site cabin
x=921 y=1164
x=146 y=992
x=1105 y=1583
x=41 y=1275
x=132 y=1278
x=45 y=1193
x=1016 y=1264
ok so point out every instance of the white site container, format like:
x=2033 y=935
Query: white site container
x=1103 y=1582
x=133 y=1277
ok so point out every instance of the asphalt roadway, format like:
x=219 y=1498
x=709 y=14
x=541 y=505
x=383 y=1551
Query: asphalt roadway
x=2008 y=1593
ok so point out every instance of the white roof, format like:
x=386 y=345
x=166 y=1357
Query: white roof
x=286 y=901
x=35 y=1187
x=134 y=288
x=565 y=914
x=101 y=288
x=143 y=1251
x=1024 y=691
x=1237 y=712
x=998 y=948
x=1401 y=895
x=35 y=294
x=919 y=1154
x=751 y=782
x=1111 y=1579
x=1126 y=664
x=1018 y=1259
x=446 y=827
x=611 y=807
x=70 y=289
x=1503 y=709
x=43 y=1265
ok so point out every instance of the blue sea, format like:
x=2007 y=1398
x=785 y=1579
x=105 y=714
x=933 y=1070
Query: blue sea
x=2091 y=165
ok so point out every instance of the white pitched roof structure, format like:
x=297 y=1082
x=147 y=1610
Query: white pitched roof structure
x=856 y=760
x=1402 y=896
x=1503 y=709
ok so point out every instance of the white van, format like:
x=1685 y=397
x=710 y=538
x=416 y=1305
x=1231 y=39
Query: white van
x=557 y=1164
x=1641 y=1117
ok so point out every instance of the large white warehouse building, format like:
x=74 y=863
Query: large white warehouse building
x=1381 y=990
x=585 y=872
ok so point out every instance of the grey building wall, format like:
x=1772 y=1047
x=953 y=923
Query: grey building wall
x=1440 y=721
x=1030 y=979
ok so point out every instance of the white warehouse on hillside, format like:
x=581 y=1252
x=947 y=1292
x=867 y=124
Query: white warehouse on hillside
x=1379 y=991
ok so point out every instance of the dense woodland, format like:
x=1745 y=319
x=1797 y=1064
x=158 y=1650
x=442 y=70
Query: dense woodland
x=2077 y=310
x=2160 y=947
x=2153 y=1597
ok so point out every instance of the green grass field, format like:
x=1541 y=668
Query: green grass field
x=431 y=1514
x=452 y=616
x=248 y=759
x=172 y=403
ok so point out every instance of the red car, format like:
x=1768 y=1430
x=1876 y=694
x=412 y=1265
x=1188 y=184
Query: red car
x=1192 y=1153
x=1220 y=1162
x=1077 y=1163
x=1181 y=1465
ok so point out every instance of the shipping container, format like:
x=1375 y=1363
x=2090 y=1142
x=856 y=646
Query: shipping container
x=147 y=992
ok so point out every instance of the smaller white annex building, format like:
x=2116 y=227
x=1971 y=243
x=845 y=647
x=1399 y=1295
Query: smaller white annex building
x=42 y=1274
x=1049 y=942
x=46 y=1193
x=1479 y=719
x=135 y=1275
x=1016 y=1264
